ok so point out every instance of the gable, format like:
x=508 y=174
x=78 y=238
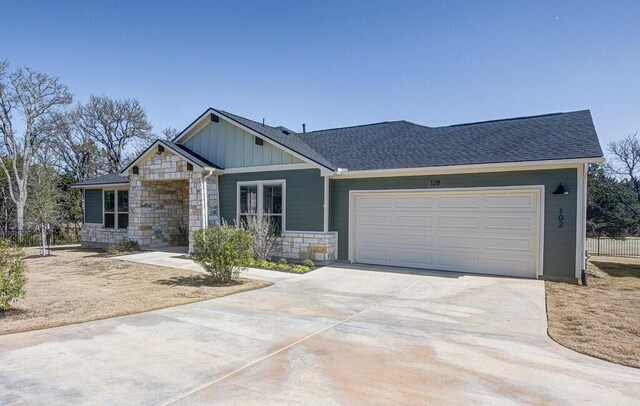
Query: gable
x=229 y=146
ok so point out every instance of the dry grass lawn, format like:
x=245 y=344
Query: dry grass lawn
x=74 y=285
x=602 y=320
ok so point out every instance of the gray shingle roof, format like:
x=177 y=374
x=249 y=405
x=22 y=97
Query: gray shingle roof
x=401 y=144
x=109 y=179
x=190 y=155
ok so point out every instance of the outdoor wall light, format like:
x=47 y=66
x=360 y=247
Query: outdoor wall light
x=560 y=190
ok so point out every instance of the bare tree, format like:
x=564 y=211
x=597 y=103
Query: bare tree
x=73 y=150
x=169 y=133
x=114 y=125
x=35 y=97
x=626 y=160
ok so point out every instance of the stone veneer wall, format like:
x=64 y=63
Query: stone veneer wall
x=313 y=245
x=163 y=209
x=164 y=167
x=95 y=236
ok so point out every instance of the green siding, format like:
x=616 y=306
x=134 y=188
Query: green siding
x=229 y=146
x=93 y=206
x=559 y=243
x=304 y=196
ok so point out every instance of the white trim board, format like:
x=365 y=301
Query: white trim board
x=325 y=205
x=104 y=186
x=260 y=198
x=267 y=168
x=479 y=168
x=538 y=189
x=581 y=215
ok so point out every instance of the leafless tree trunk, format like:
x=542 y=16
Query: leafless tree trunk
x=35 y=97
x=44 y=201
x=114 y=125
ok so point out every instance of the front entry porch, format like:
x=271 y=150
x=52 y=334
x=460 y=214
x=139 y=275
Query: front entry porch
x=169 y=201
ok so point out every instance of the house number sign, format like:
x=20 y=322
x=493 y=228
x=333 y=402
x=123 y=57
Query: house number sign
x=560 y=219
x=435 y=182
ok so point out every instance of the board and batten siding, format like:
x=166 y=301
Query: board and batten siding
x=229 y=146
x=304 y=196
x=559 y=243
x=93 y=206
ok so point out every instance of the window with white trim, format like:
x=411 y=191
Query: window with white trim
x=263 y=199
x=116 y=208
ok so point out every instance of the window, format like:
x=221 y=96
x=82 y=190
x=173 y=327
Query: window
x=123 y=209
x=248 y=202
x=116 y=208
x=109 y=209
x=263 y=199
x=272 y=205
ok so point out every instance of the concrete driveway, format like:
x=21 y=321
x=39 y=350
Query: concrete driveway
x=334 y=336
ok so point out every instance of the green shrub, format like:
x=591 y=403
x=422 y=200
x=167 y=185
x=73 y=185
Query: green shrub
x=12 y=274
x=308 y=263
x=300 y=269
x=283 y=261
x=222 y=251
x=265 y=264
x=123 y=246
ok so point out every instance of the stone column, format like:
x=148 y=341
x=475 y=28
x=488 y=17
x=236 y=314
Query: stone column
x=195 y=205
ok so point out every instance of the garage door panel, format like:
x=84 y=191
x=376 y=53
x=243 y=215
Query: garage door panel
x=375 y=219
x=414 y=202
x=415 y=258
x=451 y=261
x=373 y=255
x=511 y=202
x=458 y=202
x=510 y=267
x=509 y=222
x=490 y=231
x=414 y=220
x=508 y=244
x=458 y=221
x=374 y=238
x=413 y=239
x=458 y=242
x=375 y=202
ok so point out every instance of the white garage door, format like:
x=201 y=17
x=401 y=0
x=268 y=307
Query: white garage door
x=488 y=231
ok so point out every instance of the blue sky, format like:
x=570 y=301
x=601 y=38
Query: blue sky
x=341 y=63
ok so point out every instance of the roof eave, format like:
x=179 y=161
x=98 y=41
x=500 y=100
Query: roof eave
x=99 y=185
x=470 y=168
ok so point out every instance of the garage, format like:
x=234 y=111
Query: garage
x=476 y=230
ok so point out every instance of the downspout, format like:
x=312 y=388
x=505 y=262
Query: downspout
x=326 y=205
x=218 y=200
x=205 y=200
